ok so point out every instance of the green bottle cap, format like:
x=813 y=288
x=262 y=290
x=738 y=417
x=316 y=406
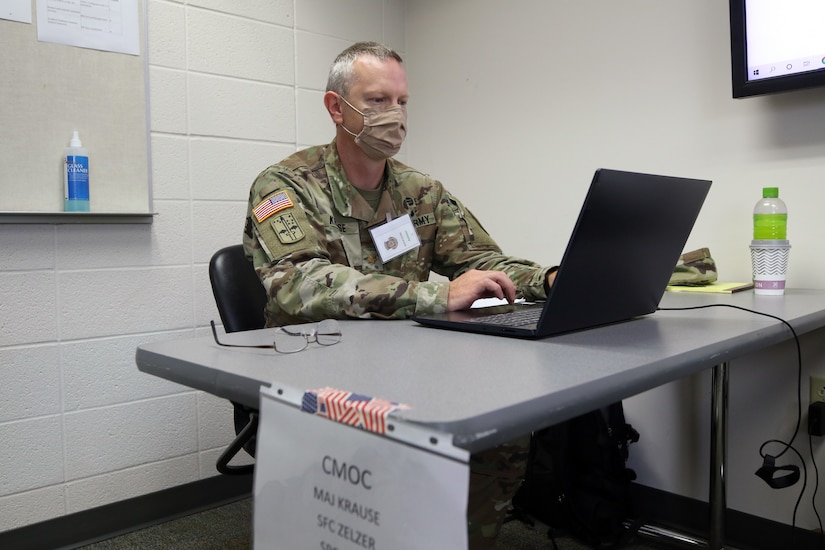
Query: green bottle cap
x=770 y=192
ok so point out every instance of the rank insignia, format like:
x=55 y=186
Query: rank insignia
x=287 y=228
x=271 y=205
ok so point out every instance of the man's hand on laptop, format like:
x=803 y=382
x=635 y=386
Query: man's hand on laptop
x=475 y=284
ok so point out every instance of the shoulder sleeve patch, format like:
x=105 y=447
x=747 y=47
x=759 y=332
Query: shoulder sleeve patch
x=273 y=204
x=282 y=225
x=287 y=228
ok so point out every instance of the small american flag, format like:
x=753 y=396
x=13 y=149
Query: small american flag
x=269 y=206
x=360 y=411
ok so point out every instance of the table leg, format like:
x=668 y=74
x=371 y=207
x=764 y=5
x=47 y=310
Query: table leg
x=718 y=459
x=718 y=455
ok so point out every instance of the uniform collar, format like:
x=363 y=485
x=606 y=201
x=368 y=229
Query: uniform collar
x=346 y=198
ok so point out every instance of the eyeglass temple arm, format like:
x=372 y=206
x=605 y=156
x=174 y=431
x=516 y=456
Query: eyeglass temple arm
x=215 y=335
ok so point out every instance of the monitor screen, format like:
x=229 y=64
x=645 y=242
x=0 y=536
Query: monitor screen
x=776 y=45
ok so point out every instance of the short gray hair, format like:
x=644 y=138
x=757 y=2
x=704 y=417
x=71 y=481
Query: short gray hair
x=341 y=75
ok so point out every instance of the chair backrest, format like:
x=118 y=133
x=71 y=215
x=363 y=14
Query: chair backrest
x=238 y=292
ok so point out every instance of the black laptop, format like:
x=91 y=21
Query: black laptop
x=629 y=235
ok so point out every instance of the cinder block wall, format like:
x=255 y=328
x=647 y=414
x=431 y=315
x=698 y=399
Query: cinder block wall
x=234 y=87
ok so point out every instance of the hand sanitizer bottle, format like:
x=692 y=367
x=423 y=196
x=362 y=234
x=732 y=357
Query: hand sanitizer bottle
x=76 y=176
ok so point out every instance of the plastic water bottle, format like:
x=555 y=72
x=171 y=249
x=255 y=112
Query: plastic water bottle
x=76 y=176
x=770 y=217
x=770 y=246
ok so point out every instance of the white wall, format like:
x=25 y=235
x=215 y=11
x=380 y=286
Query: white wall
x=513 y=107
x=235 y=86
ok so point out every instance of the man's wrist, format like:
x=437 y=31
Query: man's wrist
x=549 y=278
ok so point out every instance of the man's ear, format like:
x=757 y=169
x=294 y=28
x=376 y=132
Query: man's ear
x=334 y=107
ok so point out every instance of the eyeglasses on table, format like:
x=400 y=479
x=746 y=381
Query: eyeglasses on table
x=294 y=339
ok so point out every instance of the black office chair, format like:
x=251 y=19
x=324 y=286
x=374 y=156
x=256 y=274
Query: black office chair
x=240 y=298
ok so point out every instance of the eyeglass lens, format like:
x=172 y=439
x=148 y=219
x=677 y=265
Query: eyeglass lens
x=290 y=340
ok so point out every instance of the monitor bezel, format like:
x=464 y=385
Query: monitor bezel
x=742 y=87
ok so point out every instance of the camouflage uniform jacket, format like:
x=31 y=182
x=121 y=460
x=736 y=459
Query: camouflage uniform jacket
x=307 y=235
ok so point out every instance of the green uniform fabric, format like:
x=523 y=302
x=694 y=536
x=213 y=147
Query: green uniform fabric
x=695 y=268
x=317 y=260
x=495 y=476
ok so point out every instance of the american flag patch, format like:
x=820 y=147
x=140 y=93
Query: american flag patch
x=270 y=205
x=352 y=409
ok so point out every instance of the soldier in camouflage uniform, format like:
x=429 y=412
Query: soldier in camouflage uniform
x=317 y=259
x=307 y=233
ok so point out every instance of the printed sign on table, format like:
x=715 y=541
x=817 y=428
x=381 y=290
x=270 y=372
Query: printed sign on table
x=321 y=484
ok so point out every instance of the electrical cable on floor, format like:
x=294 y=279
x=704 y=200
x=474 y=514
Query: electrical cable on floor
x=768 y=468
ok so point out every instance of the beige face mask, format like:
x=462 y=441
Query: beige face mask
x=383 y=133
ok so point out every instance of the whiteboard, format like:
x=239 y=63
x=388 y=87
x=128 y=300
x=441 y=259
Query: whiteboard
x=47 y=91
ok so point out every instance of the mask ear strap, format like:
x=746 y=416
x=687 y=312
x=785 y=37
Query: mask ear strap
x=351 y=106
x=347 y=130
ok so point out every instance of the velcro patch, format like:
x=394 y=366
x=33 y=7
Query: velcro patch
x=271 y=205
x=287 y=228
x=421 y=221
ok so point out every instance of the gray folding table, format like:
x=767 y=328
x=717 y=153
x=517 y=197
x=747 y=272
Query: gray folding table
x=485 y=390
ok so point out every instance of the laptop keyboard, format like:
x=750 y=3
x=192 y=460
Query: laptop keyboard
x=512 y=318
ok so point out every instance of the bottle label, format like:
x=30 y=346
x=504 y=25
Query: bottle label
x=770 y=227
x=77 y=177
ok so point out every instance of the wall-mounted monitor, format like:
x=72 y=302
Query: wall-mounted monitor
x=776 y=45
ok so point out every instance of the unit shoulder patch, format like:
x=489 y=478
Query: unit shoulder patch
x=282 y=225
x=287 y=229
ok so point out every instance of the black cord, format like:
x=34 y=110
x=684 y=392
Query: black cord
x=789 y=444
x=816 y=487
x=804 y=484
